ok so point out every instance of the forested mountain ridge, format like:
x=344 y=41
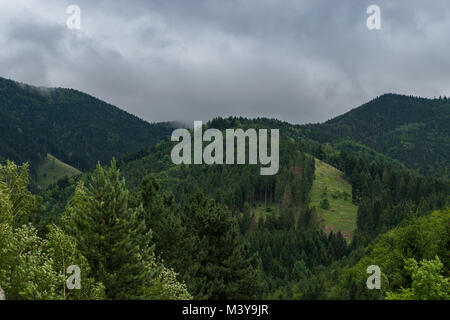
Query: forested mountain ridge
x=80 y=130
x=413 y=130
x=268 y=211
x=274 y=213
x=144 y=228
x=198 y=213
x=72 y=126
x=385 y=193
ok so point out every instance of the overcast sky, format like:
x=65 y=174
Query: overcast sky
x=299 y=61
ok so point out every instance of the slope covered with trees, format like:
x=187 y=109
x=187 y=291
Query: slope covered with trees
x=199 y=232
x=76 y=128
x=412 y=130
x=144 y=228
x=287 y=235
x=413 y=259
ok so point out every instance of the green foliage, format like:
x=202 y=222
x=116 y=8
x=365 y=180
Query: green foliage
x=17 y=201
x=63 y=252
x=226 y=232
x=202 y=242
x=116 y=240
x=232 y=185
x=35 y=268
x=162 y=215
x=26 y=270
x=32 y=267
x=108 y=233
x=427 y=282
x=384 y=202
x=166 y=286
x=220 y=267
x=419 y=240
x=325 y=204
x=411 y=130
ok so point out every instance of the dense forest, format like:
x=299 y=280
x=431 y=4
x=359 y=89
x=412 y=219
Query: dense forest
x=72 y=126
x=144 y=228
x=412 y=130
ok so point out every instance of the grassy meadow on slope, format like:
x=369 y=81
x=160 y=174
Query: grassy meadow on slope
x=330 y=187
x=52 y=169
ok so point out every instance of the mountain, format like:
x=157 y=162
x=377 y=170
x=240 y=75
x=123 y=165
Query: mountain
x=412 y=130
x=340 y=201
x=305 y=224
x=72 y=126
x=80 y=130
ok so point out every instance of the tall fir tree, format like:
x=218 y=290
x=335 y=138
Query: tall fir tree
x=109 y=234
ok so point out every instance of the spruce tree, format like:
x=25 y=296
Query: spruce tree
x=110 y=235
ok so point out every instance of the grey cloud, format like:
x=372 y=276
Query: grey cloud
x=300 y=61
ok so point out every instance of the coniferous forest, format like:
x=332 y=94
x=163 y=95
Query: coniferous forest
x=137 y=226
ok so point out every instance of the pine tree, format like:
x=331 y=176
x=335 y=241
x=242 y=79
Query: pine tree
x=109 y=234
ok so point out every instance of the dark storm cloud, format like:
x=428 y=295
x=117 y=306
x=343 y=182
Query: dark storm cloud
x=300 y=61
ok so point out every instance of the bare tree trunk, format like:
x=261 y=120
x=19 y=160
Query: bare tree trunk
x=2 y=294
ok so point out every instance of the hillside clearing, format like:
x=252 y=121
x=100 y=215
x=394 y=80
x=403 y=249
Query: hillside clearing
x=53 y=169
x=337 y=212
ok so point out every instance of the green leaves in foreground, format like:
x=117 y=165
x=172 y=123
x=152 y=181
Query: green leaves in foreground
x=32 y=267
x=425 y=239
x=427 y=282
x=100 y=234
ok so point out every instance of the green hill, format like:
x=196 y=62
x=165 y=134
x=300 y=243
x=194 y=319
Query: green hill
x=273 y=214
x=80 y=130
x=75 y=127
x=412 y=130
x=406 y=132
x=338 y=181
x=52 y=169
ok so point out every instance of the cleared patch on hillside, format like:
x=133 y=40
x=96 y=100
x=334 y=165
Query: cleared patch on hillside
x=331 y=195
x=52 y=169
